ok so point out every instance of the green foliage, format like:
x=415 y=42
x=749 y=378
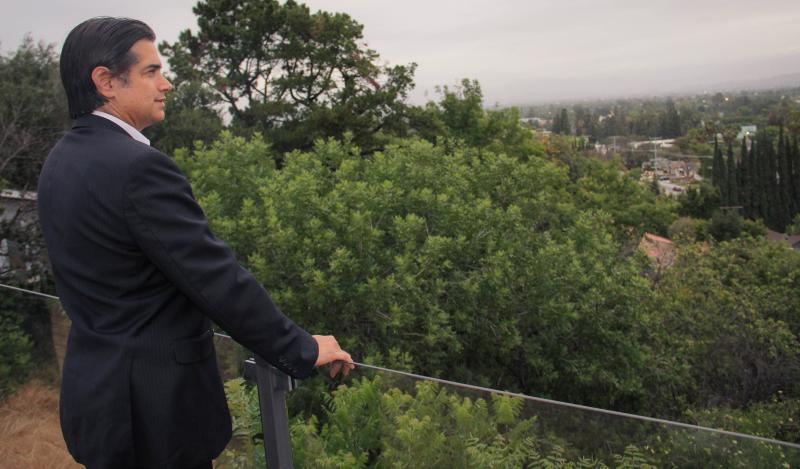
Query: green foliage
x=770 y=179
x=459 y=117
x=725 y=225
x=33 y=109
x=686 y=229
x=777 y=418
x=561 y=124
x=603 y=186
x=293 y=75
x=383 y=423
x=794 y=228
x=699 y=201
x=387 y=421
x=725 y=328
x=246 y=449
x=16 y=345
x=671 y=121
x=190 y=118
x=415 y=247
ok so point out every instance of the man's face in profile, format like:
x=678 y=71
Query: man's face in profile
x=140 y=98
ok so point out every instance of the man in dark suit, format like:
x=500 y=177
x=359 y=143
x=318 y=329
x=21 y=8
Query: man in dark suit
x=141 y=275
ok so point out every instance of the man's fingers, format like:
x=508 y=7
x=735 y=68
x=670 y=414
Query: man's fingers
x=335 y=368
x=347 y=362
x=330 y=352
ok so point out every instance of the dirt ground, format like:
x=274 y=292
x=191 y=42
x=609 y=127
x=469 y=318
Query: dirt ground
x=30 y=435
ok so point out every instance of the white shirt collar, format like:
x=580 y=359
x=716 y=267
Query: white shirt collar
x=135 y=134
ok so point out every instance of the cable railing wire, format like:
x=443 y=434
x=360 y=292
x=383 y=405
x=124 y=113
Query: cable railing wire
x=541 y=400
x=45 y=295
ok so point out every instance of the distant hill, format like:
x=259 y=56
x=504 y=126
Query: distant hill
x=791 y=80
x=776 y=82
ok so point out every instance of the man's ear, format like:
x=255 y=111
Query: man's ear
x=103 y=80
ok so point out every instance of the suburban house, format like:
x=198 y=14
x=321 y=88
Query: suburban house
x=660 y=250
x=792 y=241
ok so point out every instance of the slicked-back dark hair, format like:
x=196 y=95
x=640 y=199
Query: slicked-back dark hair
x=97 y=42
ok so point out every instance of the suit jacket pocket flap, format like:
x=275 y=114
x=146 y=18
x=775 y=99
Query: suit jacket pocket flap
x=194 y=349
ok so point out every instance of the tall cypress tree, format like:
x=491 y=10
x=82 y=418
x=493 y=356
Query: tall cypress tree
x=556 y=123
x=784 y=210
x=771 y=200
x=718 y=172
x=733 y=186
x=762 y=171
x=566 y=129
x=671 y=121
x=742 y=176
x=754 y=169
x=795 y=162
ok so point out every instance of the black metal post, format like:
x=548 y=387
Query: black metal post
x=273 y=385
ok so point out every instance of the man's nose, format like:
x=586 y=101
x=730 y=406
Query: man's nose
x=166 y=85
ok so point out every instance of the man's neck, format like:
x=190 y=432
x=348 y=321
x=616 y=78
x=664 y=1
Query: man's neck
x=109 y=109
x=127 y=127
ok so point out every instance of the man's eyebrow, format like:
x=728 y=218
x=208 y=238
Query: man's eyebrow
x=151 y=67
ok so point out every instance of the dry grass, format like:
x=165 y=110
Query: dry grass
x=30 y=434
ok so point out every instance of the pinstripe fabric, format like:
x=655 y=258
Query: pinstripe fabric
x=140 y=274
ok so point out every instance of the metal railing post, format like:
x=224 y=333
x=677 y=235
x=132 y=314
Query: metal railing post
x=272 y=387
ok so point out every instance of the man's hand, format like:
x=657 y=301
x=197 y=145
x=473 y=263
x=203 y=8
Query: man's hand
x=330 y=352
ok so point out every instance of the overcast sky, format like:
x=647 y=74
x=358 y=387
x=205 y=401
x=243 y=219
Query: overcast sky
x=520 y=50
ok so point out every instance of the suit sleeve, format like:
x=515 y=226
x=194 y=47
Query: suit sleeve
x=172 y=230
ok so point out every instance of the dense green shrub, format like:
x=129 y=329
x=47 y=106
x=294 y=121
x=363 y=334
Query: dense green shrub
x=385 y=421
x=16 y=345
x=726 y=326
x=382 y=423
x=482 y=261
x=506 y=272
x=777 y=418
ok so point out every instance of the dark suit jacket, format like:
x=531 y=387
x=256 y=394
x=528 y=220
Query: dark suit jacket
x=140 y=274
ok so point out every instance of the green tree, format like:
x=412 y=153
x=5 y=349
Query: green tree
x=671 y=121
x=725 y=225
x=33 y=112
x=792 y=170
x=753 y=176
x=293 y=75
x=728 y=330
x=190 y=117
x=732 y=177
x=557 y=126
x=795 y=163
x=16 y=344
x=719 y=172
x=460 y=118
x=424 y=245
x=699 y=201
x=743 y=178
x=771 y=199
x=566 y=127
x=786 y=208
x=794 y=227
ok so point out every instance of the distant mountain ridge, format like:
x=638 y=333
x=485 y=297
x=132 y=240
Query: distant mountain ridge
x=782 y=81
x=789 y=80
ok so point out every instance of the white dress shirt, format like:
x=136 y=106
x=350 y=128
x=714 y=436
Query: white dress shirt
x=135 y=134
